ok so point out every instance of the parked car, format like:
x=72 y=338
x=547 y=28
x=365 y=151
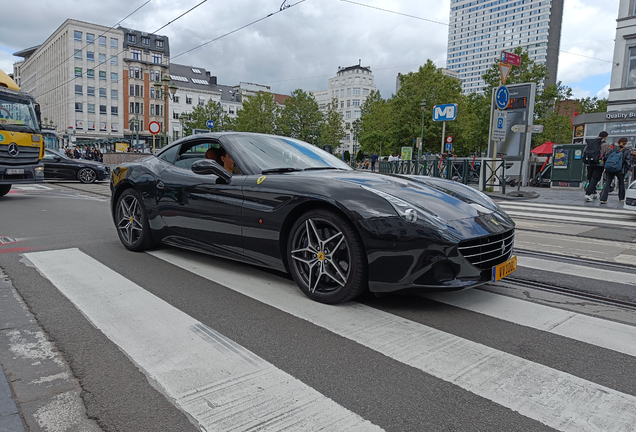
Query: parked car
x=58 y=166
x=285 y=204
x=630 y=197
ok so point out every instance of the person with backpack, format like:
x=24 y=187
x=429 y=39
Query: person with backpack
x=617 y=163
x=592 y=158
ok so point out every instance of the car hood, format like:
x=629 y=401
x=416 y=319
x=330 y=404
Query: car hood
x=443 y=198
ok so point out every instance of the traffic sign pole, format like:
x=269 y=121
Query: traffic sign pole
x=443 y=135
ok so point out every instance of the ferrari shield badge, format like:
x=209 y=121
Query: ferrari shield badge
x=261 y=179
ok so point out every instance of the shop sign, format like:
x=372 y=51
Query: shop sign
x=621 y=128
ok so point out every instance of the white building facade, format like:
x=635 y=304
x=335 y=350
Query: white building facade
x=196 y=87
x=480 y=29
x=622 y=92
x=349 y=89
x=75 y=75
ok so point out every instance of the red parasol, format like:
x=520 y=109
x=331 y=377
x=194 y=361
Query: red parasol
x=545 y=148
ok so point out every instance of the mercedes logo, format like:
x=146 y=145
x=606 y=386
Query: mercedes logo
x=503 y=248
x=13 y=150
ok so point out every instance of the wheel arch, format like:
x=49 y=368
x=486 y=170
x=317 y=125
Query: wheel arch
x=303 y=208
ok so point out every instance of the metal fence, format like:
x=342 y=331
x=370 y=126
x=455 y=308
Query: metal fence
x=464 y=170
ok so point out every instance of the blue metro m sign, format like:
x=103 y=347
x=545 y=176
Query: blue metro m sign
x=445 y=112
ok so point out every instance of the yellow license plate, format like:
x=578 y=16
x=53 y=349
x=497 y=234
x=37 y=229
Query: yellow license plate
x=503 y=270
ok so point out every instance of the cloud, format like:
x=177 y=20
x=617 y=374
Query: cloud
x=603 y=93
x=302 y=46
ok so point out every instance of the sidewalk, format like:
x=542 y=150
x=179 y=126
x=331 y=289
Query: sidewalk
x=559 y=196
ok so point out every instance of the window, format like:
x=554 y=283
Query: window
x=132 y=38
x=349 y=92
x=91 y=125
x=365 y=92
x=189 y=99
x=102 y=40
x=152 y=93
x=131 y=72
x=341 y=104
x=356 y=91
x=102 y=126
x=348 y=103
x=348 y=114
x=90 y=108
x=135 y=54
x=159 y=44
x=113 y=60
x=114 y=127
x=90 y=91
x=78 y=89
x=113 y=94
x=138 y=73
x=77 y=35
x=175 y=98
x=102 y=58
x=102 y=109
x=79 y=124
x=201 y=101
x=90 y=73
x=102 y=75
x=90 y=56
x=102 y=92
x=78 y=72
x=356 y=114
x=78 y=107
x=137 y=107
x=145 y=41
x=152 y=109
x=78 y=54
x=132 y=90
x=356 y=102
x=113 y=77
x=113 y=42
x=156 y=58
x=137 y=90
x=631 y=62
x=132 y=107
x=175 y=115
x=90 y=38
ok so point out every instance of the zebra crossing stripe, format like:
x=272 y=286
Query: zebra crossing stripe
x=596 y=331
x=568 y=218
x=555 y=398
x=569 y=208
x=222 y=385
x=577 y=270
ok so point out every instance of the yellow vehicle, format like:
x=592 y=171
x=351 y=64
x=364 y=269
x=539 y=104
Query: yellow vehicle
x=21 y=144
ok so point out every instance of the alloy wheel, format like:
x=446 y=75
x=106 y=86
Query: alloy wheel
x=87 y=175
x=321 y=256
x=129 y=215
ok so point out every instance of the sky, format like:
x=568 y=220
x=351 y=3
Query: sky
x=302 y=46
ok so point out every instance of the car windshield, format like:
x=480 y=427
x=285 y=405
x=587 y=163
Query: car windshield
x=285 y=154
x=17 y=115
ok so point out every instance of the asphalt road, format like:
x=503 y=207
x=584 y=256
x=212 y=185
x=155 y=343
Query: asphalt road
x=386 y=388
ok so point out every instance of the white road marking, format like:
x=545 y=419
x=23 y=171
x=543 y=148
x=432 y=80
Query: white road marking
x=601 y=220
x=30 y=188
x=557 y=399
x=222 y=385
x=569 y=208
x=577 y=270
x=595 y=331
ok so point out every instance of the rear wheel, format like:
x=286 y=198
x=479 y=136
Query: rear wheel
x=132 y=223
x=87 y=175
x=4 y=189
x=326 y=257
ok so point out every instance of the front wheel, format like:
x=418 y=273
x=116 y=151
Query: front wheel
x=132 y=223
x=4 y=189
x=87 y=175
x=326 y=257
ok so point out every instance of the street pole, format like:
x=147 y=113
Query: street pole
x=443 y=133
x=136 y=128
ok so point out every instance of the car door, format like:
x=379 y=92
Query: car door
x=56 y=167
x=201 y=210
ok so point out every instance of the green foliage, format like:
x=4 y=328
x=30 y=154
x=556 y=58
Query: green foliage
x=300 y=117
x=258 y=114
x=360 y=156
x=592 y=105
x=375 y=130
x=201 y=114
x=331 y=127
x=472 y=125
x=347 y=156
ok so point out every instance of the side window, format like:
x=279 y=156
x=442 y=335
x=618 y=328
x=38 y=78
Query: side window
x=196 y=150
x=169 y=155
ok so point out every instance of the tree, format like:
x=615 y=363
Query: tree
x=202 y=113
x=556 y=127
x=300 y=117
x=258 y=114
x=375 y=131
x=472 y=124
x=592 y=105
x=331 y=128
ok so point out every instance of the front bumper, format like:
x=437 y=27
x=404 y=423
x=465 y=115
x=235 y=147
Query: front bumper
x=30 y=174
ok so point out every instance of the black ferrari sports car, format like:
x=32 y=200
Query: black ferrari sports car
x=58 y=166
x=285 y=204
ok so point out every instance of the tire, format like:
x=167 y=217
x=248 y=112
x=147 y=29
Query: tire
x=322 y=242
x=87 y=175
x=4 y=189
x=131 y=221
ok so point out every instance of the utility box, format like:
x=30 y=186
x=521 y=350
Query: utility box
x=568 y=169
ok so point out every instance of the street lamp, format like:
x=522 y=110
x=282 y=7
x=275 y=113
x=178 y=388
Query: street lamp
x=419 y=148
x=356 y=128
x=168 y=92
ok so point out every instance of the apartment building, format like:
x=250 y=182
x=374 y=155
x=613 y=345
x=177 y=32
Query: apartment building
x=480 y=29
x=349 y=89
x=622 y=91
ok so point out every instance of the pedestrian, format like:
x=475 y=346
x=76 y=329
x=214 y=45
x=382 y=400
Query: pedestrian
x=88 y=154
x=77 y=153
x=592 y=158
x=617 y=163
x=97 y=155
x=374 y=158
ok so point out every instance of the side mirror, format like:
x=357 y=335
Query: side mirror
x=38 y=114
x=57 y=158
x=209 y=166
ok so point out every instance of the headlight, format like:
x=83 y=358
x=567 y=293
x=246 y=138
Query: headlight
x=39 y=170
x=409 y=212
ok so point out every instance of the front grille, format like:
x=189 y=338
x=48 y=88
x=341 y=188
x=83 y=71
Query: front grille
x=487 y=252
x=26 y=156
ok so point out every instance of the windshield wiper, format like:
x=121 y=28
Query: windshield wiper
x=320 y=168
x=280 y=170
